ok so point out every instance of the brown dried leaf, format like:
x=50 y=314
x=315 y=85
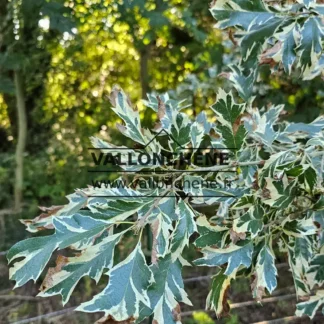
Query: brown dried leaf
x=157 y=126
x=258 y=292
x=155 y=227
x=121 y=128
x=235 y=237
x=111 y=320
x=237 y=124
x=176 y=312
x=231 y=37
x=266 y=56
x=48 y=212
x=226 y=306
x=47 y=283
x=304 y=298
x=213 y=134
x=225 y=75
x=114 y=95
x=161 y=108
x=213 y=3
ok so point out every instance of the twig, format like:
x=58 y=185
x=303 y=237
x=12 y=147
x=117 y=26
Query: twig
x=288 y=319
x=184 y=314
x=4 y=212
x=231 y=165
x=200 y=278
x=247 y=303
x=142 y=222
x=37 y=318
x=19 y=297
x=3 y=253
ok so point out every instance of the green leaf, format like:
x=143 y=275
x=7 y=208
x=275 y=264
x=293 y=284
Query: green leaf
x=243 y=82
x=251 y=221
x=299 y=254
x=229 y=114
x=126 y=291
x=261 y=127
x=45 y=220
x=197 y=134
x=317 y=268
x=279 y=28
x=167 y=291
x=310 y=47
x=161 y=227
x=123 y=108
x=286 y=197
x=277 y=163
x=253 y=41
x=243 y=13
x=6 y=85
x=202 y=120
x=265 y=272
x=77 y=231
x=68 y=271
x=180 y=132
x=184 y=228
x=308 y=3
x=233 y=255
x=192 y=185
x=288 y=50
x=210 y=235
x=308 y=178
x=217 y=297
x=59 y=15
x=310 y=307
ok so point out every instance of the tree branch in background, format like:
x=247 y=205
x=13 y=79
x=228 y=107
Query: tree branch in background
x=21 y=143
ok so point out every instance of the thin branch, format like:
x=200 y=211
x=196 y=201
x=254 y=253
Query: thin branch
x=49 y=315
x=19 y=297
x=184 y=314
x=202 y=278
x=231 y=165
x=290 y=319
x=247 y=303
x=142 y=222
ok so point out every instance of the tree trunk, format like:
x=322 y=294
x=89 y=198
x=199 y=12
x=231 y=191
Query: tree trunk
x=21 y=143
x=144 y=72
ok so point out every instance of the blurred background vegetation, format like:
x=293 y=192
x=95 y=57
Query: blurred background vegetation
x=58 y=63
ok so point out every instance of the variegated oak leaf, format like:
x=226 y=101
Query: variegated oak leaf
x=229 y=126
x=217 y=297
x=234 y=255
x=126 y=292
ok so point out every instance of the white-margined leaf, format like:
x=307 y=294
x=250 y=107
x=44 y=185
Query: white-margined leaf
x=184 y=228
x=167 y=291
x=77 y=231
x=68 y=271
x=229 y=126
x=265 y=272
x=317 y=268
x=217 y=297
x=126 y=291
x=234 y=255
x=210 y=234
x=299 y=255
x=123 y=108
x=251 y=221
x=310 y=306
